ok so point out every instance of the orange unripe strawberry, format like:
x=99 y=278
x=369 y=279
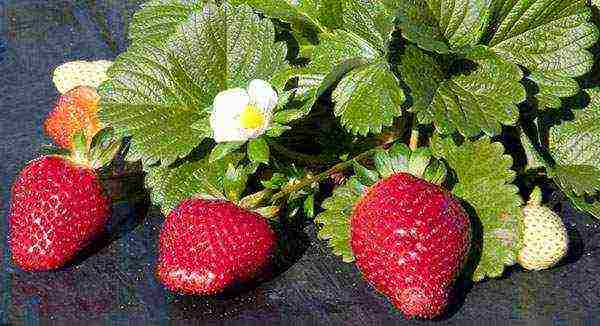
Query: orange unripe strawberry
x=76 y=110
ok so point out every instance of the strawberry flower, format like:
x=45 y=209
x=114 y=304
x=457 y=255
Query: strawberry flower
x=239 y=114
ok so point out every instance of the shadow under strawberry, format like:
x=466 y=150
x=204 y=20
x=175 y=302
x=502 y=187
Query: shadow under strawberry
x=464 y=283
x=130 y=206
x=124 y=219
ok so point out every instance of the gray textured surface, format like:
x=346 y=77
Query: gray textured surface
x=116 y=283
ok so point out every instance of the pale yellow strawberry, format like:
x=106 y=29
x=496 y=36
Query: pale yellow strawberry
x=80 y=73
x=545 y=240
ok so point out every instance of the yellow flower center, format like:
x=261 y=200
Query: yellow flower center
x=252 y=117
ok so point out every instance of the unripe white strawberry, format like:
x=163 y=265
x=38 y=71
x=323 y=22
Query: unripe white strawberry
x=545 y=240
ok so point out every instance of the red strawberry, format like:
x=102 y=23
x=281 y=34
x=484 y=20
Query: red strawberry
x=57 y=208
x=410 y=239
x=207 y=246
x=76 y=110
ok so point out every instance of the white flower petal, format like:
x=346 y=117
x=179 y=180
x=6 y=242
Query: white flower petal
x=262 y=95
x=224 y=119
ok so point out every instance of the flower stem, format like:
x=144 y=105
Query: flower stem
x=310 y=179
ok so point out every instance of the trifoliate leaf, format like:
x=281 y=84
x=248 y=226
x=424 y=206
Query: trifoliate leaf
x=335 y=220
x=358 y=53
x=158 y=19
x=169 y=186
x=437 y=26
x=485 y=182
x=482 y=100
x=577 y=142
x=549 y=38
x=578 y=179
x=258 y=150
x=157 y=92
x=368 y=99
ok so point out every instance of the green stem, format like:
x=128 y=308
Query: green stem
x=310 y=179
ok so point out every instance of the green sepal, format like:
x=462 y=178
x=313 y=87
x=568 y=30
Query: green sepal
x=104 y=148
x=79 y=148
x=335 y=219
x=258 y=150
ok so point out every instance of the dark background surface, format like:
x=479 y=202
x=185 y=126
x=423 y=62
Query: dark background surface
x=115 y=281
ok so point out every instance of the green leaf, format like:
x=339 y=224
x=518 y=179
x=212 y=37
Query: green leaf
x=438 y=26
x=169 y=186
x=223 y=149
x=578 y=179
x=158 y=19
x=552 y=86
x=371 y=21
x=337 y=48
x=368 y=99
x=423 y=76
x=301 y=14
x=288 y=116
x=534 y=159
x=157 y=92
x=577 y=142
x=582 y=204
x=482 y=100
x=549 y=38
x=485 y=182
x=258 y=150
x=359 y=51
x=335 y=220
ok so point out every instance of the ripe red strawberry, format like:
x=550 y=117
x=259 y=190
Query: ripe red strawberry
x=75 y=110
x=207 y=246
x=57 y=208
x=410 y=239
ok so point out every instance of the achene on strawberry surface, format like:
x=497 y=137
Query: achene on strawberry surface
x=410 y=239
x=207 y=246
x=57 y=208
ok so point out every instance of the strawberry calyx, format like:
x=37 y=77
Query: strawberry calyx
x=91 y=154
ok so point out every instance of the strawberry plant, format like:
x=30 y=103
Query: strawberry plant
x=412 y=128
